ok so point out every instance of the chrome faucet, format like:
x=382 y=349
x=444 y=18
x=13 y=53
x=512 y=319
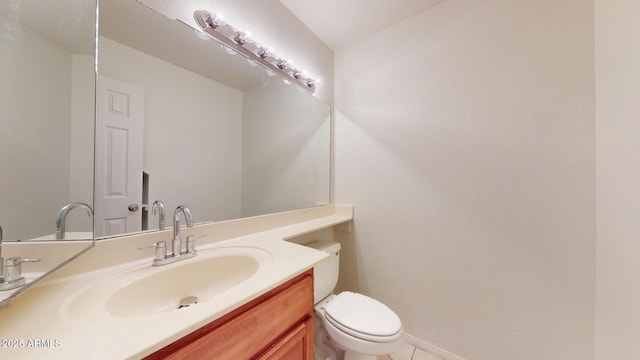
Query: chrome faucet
x=61 y=219
x=11 y=270
x=12 y=273
x=158 y=206
x=176 y=254
x=176 y=244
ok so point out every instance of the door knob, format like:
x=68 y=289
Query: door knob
x=133 y=207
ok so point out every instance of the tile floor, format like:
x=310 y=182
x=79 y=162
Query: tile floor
x=410 y=352
x=420 y=354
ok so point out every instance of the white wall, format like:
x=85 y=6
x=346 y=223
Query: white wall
x=465 y=138
x=35 y=111
x=285 y=149
x=82 y=136
x=192 y=133
x=618 y=175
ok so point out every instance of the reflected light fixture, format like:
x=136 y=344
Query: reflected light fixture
x=201 y=35
x=239 y=42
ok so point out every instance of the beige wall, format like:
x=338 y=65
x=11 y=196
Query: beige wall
x=618 y=176
x=177 y=130
x=35 y=112
x=285 y=149
x=465 y=138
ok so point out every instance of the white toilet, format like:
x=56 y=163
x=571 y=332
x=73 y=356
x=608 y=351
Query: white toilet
x=360 y=326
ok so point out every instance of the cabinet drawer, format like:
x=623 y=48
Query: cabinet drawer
x=293 y=346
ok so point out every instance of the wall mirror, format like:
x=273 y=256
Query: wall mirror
x=47 y=117
x=47 y=77
x=182 y=121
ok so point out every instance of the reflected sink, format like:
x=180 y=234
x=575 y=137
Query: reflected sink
x=148 y=289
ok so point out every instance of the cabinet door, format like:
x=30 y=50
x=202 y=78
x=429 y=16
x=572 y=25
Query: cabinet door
x=278 y=324
x=294 y=346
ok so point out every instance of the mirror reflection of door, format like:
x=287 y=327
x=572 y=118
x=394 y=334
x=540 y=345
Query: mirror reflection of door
x=119 y=147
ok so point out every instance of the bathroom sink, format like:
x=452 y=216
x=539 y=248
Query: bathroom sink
x=147 y=289
x=163 y=290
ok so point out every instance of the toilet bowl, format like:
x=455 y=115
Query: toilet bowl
x=357 y=324
x=361 y=326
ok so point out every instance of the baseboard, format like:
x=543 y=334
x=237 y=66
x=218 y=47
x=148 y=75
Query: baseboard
x=421 y=344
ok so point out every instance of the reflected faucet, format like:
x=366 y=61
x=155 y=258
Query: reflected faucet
x=158 y=206
x=176 y=245
x=61 y=219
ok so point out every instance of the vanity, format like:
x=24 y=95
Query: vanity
x=112 y=303
x=277 y=325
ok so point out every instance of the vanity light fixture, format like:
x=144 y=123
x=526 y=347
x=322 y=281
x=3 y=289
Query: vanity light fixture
x=239 y=42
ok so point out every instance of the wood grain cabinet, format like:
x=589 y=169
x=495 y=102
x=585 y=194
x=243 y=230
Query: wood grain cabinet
x=276 y=326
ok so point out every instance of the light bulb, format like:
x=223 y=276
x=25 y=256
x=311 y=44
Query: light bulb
x=282 y=65
x=213 y=22
x=240 y=39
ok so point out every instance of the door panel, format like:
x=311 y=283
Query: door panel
x=119 y=144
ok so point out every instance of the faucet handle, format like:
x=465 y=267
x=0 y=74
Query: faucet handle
x=13 y=268
x=161 y=250
x=12 y=261
x=191 y=243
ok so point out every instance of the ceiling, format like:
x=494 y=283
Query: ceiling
x=68 y=23
x=339 y=23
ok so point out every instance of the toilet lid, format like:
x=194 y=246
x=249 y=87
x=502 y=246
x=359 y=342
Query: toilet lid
x=362 y=316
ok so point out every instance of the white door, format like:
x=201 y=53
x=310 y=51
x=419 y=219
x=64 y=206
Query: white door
x=119 y=142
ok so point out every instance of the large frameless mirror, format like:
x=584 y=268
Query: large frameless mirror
x=47 y=117
x=182 y=121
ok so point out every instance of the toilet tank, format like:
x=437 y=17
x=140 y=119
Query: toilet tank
x=325 y=273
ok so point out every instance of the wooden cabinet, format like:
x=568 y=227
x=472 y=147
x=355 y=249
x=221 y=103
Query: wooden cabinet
x=276 y=326
x=294 y=346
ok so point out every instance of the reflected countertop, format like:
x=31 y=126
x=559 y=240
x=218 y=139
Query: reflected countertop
x=70 y=235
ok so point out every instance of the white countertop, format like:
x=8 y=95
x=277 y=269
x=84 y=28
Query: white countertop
x=37 y=324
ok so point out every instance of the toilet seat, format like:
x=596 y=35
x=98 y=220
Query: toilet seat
x=363 y=317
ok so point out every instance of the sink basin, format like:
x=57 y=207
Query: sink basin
x=148 y=289
x=163 y=290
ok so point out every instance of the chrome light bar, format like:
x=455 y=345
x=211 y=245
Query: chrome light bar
x=239 y=42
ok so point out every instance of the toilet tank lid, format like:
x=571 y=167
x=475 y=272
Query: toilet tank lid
x=363 y=314
x=325 y=245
